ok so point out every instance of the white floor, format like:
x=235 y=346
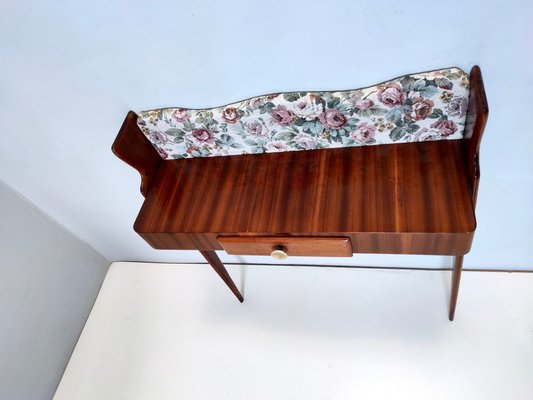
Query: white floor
x=176 y=332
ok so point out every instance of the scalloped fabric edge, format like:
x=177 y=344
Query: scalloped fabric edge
x=412 y=108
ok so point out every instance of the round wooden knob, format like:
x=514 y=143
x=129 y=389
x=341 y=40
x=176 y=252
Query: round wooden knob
x=279 y=253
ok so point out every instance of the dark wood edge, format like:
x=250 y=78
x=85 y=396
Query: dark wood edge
x=476 y=119
x=213 y=260
x=132 y=147
x=456 y=280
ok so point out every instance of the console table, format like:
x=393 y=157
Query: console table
x=403 y=197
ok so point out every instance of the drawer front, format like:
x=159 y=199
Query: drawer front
x=291 y=246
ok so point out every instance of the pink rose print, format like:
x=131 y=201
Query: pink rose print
x=255 y=128
x=282 y=116
x=457 y=107
x=203 y=136
x=304 y=108
x=425 y=135
x=307 y=142
x=364 y=104
x=157 y=137
x=276 y=145
x=391 y=95
x=333 y=119
x=446 y=128
x=364 y=132
x=180 y=114
x=231 y=115
x=257 y=102
x=421 y=109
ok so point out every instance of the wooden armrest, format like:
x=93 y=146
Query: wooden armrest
x=132 y=147
x=476 y=119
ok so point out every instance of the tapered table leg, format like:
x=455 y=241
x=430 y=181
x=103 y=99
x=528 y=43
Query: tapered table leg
x=456 y=278
x=217 y=265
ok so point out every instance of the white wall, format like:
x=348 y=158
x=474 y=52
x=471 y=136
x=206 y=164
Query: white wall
x=71 y=71
x=49 y=280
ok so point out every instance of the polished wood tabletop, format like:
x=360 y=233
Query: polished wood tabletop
x=405 y=188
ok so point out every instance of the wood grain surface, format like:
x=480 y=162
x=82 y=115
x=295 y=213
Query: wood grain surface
x=476 y=119
x=132 y=147
x=292 y=246
x=404 y=198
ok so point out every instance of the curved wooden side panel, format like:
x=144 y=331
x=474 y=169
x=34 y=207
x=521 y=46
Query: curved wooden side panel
x=132 y=147
x=476 y=119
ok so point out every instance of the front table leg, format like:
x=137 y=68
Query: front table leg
x=217 y=265
x=456 y=278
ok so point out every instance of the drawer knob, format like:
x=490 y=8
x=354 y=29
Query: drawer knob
x=279 y=253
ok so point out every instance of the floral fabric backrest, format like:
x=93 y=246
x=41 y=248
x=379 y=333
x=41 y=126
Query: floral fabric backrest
x=419 y=107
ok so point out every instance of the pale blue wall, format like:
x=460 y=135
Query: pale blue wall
x=71 y=71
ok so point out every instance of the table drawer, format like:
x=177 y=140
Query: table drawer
x=290 y=246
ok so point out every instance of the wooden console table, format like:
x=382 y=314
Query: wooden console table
x=410 y=198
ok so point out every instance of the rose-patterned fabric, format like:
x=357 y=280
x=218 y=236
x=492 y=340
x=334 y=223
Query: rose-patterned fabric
x=413 y=108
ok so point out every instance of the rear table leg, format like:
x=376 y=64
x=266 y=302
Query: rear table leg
x=217 y=265
x=456 y=278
